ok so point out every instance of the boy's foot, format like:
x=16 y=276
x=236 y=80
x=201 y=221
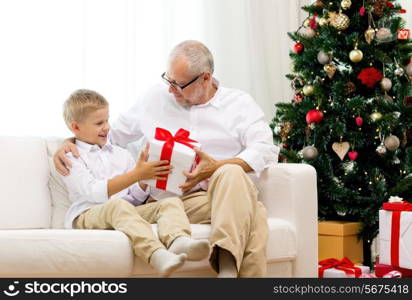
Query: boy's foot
x=166 y=262
x=195 y=249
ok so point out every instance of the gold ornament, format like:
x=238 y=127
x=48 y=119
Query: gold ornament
x=392 y=142
x=341 y=149
x=284 y=131
x=346 y=4
x=369 y=35
x=375 y=116
x=323 y=22
x=340 y=21
x=308 y=90
x=356 y=55
x=306 y=22
x=330 y=70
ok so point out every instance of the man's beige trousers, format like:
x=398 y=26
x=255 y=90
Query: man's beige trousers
x=135 y=222
x=238 y=221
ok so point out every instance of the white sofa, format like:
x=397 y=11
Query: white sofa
x=33 y=242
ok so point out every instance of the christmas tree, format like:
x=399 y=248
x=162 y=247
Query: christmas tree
x=351 y=114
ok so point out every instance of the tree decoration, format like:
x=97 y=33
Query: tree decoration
x=350 y=88
x=370 y=76
x=330 y=70
x=384 y=34
x=340 y=21
x=369 y=35
x=356 y=55
x=341 y=149
x=298 y=47
x=378 y=7
x=310 y=153
x=353 y=155
x=392 y=142
x=346 y=4
x=376 y=116
x=308 y=90
x=386 y=84
x=323 y=58
x=314 y=116
x=359 y=121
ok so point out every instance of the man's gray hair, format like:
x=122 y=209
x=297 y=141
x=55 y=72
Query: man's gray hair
x=198 y=56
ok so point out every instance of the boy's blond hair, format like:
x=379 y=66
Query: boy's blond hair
x=80 y=104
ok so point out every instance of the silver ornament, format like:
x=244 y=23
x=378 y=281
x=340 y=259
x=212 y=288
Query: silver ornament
x=396 y=161
x=307 y=32
x=349 y=166
x=323 y=58
x=399 y=71
x=384 y=34
x=386 y=84
x=392 y=142
x=277 y=129
x=310 y=152
x=396 y=114
x=341 y=213
x=408 y=69
x=381 y=150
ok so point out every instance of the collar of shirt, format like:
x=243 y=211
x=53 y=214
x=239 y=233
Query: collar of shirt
x=215 y=100
x=92 y=148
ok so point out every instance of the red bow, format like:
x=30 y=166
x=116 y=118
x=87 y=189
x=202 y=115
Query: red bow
x=181 y=136
x=396 y=208
x=344 y=265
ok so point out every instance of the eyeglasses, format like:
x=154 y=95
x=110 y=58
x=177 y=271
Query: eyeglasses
x=177 y=86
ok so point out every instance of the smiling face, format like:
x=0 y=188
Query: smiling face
x=94 y=128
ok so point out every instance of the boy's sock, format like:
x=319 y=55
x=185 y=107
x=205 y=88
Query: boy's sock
x=227 y=265
x=195 y=249
x=166 y=262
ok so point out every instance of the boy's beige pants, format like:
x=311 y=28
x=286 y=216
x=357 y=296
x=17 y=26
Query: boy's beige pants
x=135 y=222
x=238 y=220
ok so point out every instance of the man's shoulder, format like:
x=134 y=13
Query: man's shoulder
x=229 y=95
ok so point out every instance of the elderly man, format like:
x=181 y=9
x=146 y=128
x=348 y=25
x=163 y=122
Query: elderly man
x=234 y=139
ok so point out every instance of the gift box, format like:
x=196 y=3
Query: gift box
x=178 y=150
x=382 y=269
x=344 y=268
x=339 y=239
x=395 y=234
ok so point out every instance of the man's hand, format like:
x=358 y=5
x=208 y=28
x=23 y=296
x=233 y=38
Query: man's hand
x=203 y=170
x=61 y=162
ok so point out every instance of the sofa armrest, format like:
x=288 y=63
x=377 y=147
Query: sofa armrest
x=289 y=192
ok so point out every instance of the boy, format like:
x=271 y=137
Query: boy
x=104 y=187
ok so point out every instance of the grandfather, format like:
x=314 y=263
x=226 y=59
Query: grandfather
x=234 y=140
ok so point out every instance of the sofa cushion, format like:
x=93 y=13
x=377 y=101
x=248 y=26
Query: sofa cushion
x=65 y=253
x=24 y=173
x=58 y=191
x=281 y=247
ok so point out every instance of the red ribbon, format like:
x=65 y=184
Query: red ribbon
x=182 y=137
x=312 y=22
x=344 y=265
x=396 y=208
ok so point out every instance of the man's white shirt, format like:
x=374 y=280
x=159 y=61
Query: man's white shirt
x=89 y=175
x=230 y=125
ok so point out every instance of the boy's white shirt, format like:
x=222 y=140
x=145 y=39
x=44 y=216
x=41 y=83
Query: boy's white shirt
x=89 y=175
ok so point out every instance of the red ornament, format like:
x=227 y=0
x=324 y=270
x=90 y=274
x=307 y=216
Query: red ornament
x=298 y=47
x=319 y=3
x=402 y=11
x=362 y=11
x=312 y=22
x=353 y=155
x=370 y=76
x=359 y=121
x=390 y=4
x=314 y=116
x=403 y=34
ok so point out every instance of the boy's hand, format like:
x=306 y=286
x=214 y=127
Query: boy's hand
x=61 y=162
x=151 y=170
